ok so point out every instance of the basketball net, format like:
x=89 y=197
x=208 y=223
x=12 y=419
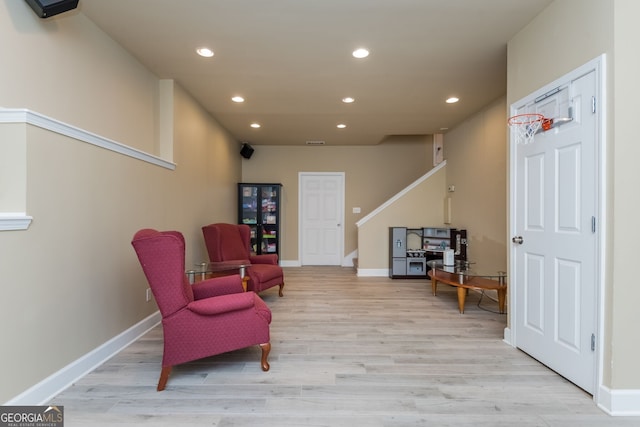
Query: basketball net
x=525 y=126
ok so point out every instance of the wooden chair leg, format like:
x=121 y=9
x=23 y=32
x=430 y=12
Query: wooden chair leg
x=266 y=348
x=280 y=291
x=164 y=377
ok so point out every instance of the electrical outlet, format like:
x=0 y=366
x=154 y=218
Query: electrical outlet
x=149 y=294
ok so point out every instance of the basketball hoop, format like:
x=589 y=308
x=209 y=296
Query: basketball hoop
x=526 y=126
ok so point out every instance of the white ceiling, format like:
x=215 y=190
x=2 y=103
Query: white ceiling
x=291 y=60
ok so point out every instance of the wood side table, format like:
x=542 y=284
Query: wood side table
x=207 y=270
x=464 y=278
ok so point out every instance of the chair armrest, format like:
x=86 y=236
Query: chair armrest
x=264 y=259
x=217 y=286
x=222 y=304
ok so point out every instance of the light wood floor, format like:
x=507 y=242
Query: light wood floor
x=347 y=351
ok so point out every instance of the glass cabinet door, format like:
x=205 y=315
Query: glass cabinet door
x=254 y=238
x=249 y=205
x=269 y=237
x=259 y=208
x=269 y=202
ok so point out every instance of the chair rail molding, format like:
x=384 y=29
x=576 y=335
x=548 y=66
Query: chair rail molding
x=22 y=115
x=10 y=221
x=401 y=193
x=20 y=220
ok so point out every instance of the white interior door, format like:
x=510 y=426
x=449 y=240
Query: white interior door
x=321 y=218
x=555 y=236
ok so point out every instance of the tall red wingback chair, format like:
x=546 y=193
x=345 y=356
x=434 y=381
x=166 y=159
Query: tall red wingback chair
x=231 y=242
x=211 y=317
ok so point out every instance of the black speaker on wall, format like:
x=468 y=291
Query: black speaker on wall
x=246 y=151
x=47 y=8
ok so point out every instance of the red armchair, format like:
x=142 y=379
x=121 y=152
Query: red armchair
x=231 y=242
x=211 y=317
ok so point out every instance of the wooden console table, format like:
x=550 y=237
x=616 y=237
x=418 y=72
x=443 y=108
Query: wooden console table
x=464 y=278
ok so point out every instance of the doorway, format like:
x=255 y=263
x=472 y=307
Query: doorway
x=556 y=203
x=321 y=215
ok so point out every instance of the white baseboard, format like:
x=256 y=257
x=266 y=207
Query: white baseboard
x=373 y=272
x=507 y=338
x=48 y=388
x=619 y=403
x=346 y=261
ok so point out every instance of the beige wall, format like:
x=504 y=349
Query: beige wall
x=95 y=73
x=564 y=36
x=71 y=281
x=623 y=291
x=421 y=206
x=477 y=168
x=13 y=168
x=373 y=174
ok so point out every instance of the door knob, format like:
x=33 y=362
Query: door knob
x=518 y=240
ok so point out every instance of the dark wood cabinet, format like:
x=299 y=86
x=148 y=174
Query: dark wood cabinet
x=259 y=208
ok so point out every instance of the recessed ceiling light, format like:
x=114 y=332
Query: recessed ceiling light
x=360 y=53
x=255 y=125
x=452 y=100
x=348 y=100
x=204 y=51
x=237 y=99
x=341 y=126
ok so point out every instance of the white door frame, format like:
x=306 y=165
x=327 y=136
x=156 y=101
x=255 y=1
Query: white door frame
x=597 y=65
x=300 y=202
